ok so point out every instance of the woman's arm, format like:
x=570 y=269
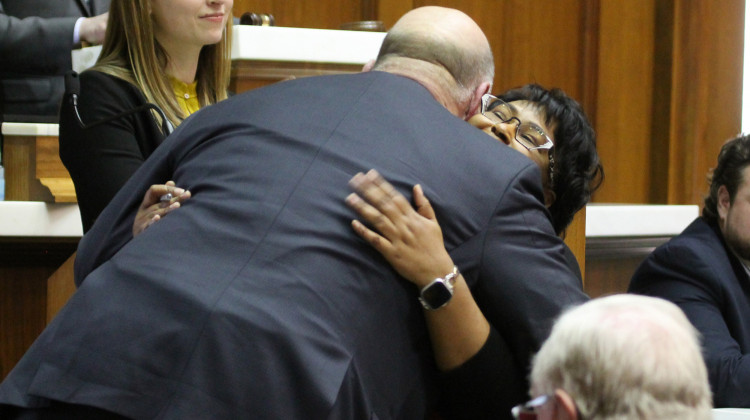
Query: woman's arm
x=412 y=242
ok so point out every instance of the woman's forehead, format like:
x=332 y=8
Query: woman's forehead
x=532 y=112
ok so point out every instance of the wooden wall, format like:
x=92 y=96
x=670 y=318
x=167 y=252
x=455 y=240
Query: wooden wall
x=660 y=79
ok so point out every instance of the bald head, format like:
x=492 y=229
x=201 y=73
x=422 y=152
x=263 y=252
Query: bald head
x=442 y=48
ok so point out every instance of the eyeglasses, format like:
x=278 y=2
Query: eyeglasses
x=528 y=135
x=528 y=411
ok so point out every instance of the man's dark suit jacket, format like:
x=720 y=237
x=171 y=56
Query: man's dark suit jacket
x=702 y=276
x=35 y=46
x=257 y=300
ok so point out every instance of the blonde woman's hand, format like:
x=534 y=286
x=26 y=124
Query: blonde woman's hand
x=159 y=200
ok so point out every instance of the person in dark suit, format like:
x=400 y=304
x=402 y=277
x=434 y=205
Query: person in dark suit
x=38 y=37
x=704 y=270
x=255 y=300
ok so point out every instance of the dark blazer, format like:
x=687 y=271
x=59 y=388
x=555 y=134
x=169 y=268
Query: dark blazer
x=102 y=158
x=35 y=49
x=257 y=300
x=702 y=276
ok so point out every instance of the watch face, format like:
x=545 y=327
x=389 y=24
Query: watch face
x=437 y=294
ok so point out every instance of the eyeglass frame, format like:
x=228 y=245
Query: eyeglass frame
x=485 y=102
x=527 y=410
x=546 y=146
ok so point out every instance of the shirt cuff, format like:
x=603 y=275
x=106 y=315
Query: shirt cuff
x=76 y=30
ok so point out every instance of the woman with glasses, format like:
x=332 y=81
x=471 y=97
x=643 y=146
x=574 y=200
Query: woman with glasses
x=548 y=127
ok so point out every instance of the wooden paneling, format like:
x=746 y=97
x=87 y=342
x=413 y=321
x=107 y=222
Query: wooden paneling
x=25 y=266
x=248 y=75
x=575 y=238
x=649 y=73
x=60 y=287
x=669 y=94
x=624 y=104
x=611 y=262
x=23 y=294
x=34 y=172
x=533 y=41
x=706 y=99
x=319 y=14
x=21 y=182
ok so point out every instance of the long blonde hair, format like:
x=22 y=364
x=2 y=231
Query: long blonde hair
x=131 y=52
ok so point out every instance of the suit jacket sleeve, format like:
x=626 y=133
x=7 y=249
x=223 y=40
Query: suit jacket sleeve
x=36 y=46
x=691 y=279
x=115 y=230
x=524 y=282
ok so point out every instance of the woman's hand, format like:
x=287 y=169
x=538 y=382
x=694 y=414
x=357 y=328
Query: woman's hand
x=158 y=201
x=410 y=240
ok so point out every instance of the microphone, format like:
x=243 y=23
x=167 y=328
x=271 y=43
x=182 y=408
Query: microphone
x=73 y=90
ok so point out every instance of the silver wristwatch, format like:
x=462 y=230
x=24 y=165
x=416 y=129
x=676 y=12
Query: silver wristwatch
x=439 y=292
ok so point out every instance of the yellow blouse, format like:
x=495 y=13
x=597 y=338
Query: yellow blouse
x=186 y=95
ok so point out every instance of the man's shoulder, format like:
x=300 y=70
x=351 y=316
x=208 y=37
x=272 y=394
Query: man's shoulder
x=697 y=249
x=698 y=235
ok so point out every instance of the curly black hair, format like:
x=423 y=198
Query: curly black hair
x=577 y=172
x=734 y=157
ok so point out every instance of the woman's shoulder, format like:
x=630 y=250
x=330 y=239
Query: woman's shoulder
x=95 y=76
x=108 y=86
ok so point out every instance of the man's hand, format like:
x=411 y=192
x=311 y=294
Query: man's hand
x=92 y=29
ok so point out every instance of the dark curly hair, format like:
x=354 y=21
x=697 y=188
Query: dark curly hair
x=577 y=172
x=734 y=156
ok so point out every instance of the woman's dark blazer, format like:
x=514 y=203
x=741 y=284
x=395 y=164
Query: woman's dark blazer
x=101 y=158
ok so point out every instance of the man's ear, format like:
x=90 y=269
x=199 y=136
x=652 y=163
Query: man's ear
x=723 y=202
x=476 y=99
x=565 y=407
x=368 y=66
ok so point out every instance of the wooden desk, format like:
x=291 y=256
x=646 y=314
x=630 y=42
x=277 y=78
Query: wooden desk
x=33 y=170
x=619 y=237
x=37 y=241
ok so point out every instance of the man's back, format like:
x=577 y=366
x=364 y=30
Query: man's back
x=256 y=298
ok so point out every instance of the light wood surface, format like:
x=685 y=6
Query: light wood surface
x=34 y=171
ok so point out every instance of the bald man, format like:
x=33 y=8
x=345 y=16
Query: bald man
x=256 y=300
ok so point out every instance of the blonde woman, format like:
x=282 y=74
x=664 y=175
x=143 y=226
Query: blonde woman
x=174 y=54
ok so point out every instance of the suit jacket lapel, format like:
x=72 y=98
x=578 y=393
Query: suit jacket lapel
x=85 y=6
